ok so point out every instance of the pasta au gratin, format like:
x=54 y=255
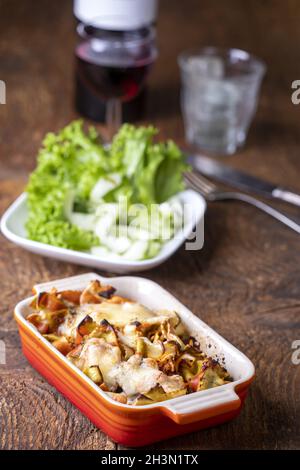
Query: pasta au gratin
x=136 y=355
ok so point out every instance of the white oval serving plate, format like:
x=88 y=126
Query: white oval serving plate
x=13 y=227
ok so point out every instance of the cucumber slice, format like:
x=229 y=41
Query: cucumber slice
x=104 y=185
x=83 y=221
x=104 y=253
x=137 y=250
x=117 y=245
x=137 y=233
x=105 y=221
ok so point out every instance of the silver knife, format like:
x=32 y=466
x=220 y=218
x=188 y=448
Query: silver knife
x=238 y=179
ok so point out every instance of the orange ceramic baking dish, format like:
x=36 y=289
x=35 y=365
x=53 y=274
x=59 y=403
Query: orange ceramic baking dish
x=140 y=425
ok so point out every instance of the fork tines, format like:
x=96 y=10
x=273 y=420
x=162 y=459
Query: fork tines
x=199 y=183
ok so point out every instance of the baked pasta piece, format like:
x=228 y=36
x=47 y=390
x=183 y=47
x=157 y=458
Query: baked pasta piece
x=136 y=355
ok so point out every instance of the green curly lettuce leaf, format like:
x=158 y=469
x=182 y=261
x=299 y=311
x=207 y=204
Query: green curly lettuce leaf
x=73 y=161
x=154 y=170
x=67 y=160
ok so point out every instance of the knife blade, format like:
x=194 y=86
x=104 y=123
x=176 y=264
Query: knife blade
x=238 y=179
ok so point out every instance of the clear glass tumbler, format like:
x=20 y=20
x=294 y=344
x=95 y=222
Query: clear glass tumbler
x=219 y=96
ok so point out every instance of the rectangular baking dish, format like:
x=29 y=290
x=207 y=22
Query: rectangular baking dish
x=139 y=426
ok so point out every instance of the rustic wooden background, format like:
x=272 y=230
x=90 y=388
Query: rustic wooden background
x=244 y=283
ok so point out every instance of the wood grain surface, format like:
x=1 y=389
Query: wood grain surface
x=244 y=283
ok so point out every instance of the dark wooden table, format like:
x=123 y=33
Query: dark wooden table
x=244 y=283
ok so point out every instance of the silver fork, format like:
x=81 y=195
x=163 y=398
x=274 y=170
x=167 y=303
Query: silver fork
x=212 y=193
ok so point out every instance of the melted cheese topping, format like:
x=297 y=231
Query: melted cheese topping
x=121 y=314
x=118 y=315
x=136 y=375
x=139 y=376
x=97 y=352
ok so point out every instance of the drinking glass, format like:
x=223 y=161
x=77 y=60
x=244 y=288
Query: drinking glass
x=114 y=65
x=219 y=96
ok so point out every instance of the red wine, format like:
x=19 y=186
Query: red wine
x=112 y=65
x=108 y=82
x=89 y=105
